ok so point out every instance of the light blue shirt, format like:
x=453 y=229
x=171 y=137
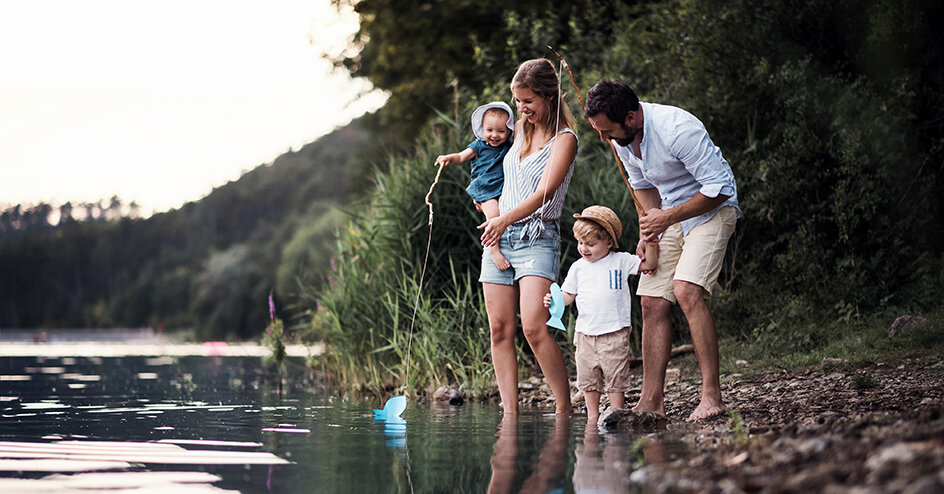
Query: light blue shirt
x=679 y=159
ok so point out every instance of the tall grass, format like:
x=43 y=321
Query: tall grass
x=366 y=310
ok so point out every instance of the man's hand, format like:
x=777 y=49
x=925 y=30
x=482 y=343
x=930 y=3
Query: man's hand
x=654 y=223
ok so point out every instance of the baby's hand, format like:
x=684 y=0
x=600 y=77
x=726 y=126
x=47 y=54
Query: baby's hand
x=547 y=300
x=445 y=159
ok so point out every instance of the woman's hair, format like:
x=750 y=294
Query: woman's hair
x=586 y=229
x=539 y=76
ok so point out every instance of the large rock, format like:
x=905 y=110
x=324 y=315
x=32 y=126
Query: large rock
x=449 y=395
x=627 y=419
x=906 y=324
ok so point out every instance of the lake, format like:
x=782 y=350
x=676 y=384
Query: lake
x=216 y=424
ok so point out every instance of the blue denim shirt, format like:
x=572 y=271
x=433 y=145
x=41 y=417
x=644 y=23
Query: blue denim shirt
x=679 y=159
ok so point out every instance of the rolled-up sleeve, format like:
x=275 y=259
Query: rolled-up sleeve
x=694 y=148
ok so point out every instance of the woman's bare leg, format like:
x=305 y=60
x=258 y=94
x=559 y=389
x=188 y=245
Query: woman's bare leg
x=534 y=324
x=501 y=304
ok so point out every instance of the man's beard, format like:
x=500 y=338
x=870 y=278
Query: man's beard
x=630 y=135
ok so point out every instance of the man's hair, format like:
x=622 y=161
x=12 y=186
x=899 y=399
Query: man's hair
x=613 y=99
x=586 y=229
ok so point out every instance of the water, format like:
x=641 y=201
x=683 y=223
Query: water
x=216 y=424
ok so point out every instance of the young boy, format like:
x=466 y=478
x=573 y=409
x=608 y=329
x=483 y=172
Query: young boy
x=598 y=281
x=493 y=125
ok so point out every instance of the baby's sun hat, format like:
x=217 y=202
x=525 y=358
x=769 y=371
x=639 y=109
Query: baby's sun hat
x=604 y=217
x=479 y=114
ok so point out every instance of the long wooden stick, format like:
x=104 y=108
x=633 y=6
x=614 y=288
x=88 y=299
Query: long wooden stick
x=583 y=106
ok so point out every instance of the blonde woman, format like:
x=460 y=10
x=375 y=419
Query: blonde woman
x=537 y=169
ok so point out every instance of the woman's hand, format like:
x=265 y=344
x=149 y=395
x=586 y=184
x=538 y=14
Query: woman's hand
x=493 y=230
x=547 y=299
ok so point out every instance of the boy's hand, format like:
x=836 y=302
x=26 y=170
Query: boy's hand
x=547 y=300
x=646 y=251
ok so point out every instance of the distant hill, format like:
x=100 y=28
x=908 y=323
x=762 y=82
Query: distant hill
x=208 y=265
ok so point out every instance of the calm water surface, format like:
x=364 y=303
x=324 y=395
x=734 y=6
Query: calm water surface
x=212 y=424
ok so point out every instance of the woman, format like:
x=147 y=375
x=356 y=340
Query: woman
x=537 y=171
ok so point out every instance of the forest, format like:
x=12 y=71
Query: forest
x=831 y=114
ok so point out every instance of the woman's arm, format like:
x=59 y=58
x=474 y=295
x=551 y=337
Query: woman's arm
x=562 y=153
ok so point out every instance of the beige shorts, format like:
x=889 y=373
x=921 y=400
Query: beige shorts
x=603 y=361
x=695 y=258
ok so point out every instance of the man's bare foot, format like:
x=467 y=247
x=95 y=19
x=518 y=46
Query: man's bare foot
x=497 y=257
x=706 y=411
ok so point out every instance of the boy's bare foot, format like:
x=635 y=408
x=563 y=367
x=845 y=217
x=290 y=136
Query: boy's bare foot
x=498 y=258
x=706 y=411
x=644 y=407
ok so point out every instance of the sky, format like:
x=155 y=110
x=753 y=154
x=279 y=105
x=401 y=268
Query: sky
x=160 y=102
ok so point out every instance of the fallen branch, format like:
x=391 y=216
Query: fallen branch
x=679 y=350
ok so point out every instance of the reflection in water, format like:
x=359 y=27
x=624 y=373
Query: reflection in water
x=394 y=428
x=549 y=470
x=602 y=464
x=221 y=418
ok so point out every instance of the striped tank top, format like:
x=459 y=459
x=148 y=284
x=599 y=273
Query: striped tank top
x=521 y=180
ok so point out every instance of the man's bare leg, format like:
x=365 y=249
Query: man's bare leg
x=705 y=339
x=656 y=345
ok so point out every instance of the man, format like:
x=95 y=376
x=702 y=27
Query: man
x=689 y=206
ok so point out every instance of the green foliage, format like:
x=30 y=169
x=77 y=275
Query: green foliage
x=829 y=113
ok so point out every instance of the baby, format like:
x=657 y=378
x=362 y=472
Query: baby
x=493 y=125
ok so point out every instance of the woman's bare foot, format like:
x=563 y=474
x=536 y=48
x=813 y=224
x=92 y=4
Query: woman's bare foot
x=498 y=258
x=706 y=411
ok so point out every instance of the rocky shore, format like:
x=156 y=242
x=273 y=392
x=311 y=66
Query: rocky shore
x=835 y=428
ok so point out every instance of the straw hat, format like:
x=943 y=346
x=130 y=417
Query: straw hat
x=479 y=114
x=604 y=217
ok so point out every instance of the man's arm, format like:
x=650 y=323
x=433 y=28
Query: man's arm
x=658 y=220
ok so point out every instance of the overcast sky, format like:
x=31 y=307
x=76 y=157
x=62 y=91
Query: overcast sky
x=159 y=102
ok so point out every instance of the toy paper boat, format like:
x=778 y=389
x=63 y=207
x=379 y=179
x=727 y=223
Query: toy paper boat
x=557 y=308
x=392 y=409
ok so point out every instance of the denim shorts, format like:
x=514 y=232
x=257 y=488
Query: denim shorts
x=541 y=259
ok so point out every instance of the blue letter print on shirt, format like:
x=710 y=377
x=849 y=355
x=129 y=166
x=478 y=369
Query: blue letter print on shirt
x=616 y=279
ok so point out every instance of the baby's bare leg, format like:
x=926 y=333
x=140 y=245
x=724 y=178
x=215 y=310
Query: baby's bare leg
x=490 y=208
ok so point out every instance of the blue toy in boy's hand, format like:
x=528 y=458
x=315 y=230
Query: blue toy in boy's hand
x=556 y=308
x=392 y=409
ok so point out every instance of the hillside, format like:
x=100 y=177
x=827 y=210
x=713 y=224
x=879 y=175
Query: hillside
x=207 y=266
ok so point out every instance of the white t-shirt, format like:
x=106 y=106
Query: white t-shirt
x=602 y=292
